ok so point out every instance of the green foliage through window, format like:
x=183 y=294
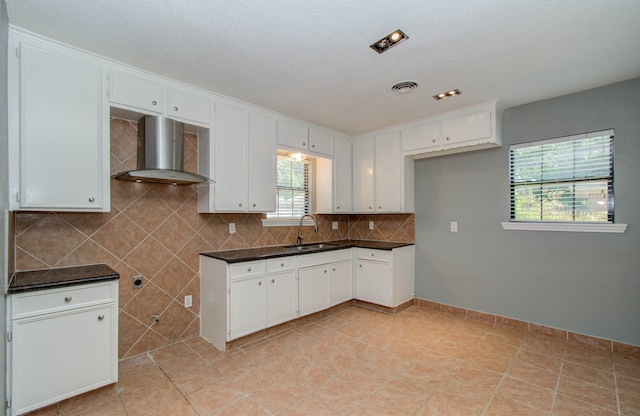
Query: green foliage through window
x=568 y=179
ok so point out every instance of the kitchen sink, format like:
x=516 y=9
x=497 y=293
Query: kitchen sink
x=307 y=247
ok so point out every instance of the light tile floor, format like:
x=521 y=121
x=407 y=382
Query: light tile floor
x=361 y=362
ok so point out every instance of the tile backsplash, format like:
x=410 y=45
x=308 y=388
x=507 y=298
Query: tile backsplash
x=155 y=231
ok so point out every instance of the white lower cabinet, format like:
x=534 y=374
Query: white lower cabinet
x=341 y=282
x=281 y=290
x=63 y=342
x=247 y=304
x=313 y=289
x=385 y=277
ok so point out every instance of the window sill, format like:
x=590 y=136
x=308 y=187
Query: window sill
x=575 y=228
x=285 y=222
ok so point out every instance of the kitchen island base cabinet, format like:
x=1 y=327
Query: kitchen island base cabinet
x=63 y=343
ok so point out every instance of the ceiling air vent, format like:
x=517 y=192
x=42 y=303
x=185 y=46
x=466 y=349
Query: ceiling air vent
x=405 y=87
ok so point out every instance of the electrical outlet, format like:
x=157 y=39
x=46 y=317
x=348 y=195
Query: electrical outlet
x=371 y=225
x=188 y=301
x=454 y=226
x=232 y=228
x=334 y=225
x=137 y=282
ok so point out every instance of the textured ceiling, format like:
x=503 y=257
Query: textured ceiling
x=310 y=59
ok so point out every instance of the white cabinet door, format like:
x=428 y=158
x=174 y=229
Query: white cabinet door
x=466 y=127
x=341 y=282
x=374 y=282
x=313 y=289
x=388 y=173
x=136 y=92
x=188 y=106
x=320 y=141
x=262 y=163
x=422 y=137
x=342 y=175
x=64 y=144
x=247 y=306
x=56 y=356
x=281 y=297
x=230 y=189
x=363 y=178
x=293 y=135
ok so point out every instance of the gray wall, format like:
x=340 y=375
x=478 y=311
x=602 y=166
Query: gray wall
x=587 y=283
x=4 y=187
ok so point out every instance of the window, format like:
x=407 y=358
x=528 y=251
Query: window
x=292 y=188
x=567 y=179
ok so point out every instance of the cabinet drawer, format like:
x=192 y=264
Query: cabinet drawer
x=371 y=254
x=245 y=269
x=55 y=300
x=280 y=264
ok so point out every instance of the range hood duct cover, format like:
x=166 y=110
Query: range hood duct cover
x=161 y=154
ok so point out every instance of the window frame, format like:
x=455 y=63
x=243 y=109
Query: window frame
x=551 y=225
x=273 y=220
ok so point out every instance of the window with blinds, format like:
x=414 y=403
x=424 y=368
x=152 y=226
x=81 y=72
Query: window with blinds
x=292 y=189
x=567 y=179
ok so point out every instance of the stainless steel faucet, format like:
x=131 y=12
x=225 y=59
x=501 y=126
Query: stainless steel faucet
x=315 y=227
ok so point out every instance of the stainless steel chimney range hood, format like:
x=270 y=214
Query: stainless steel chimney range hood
x=161 y=154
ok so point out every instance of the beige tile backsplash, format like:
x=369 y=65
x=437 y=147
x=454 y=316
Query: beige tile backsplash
x=155 y=231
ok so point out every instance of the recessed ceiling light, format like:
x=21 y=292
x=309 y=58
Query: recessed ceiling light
x=447 y=94
x=389 y=41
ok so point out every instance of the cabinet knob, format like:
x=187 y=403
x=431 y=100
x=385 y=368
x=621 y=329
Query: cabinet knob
x=373 y=255
x=433 y=141
x=338 y=207
x=379 y=207
x=325 y=270
x=359 y=265
x=68 y=299
x=260 y=283
x=281 y=264
x=154 y=102
x=175 y=108
x=240 y=204
x=100 y=317
x=447 y=138
x=304 y=144
x=370 y=208
x=249 y=269
x=273 y=280
x=254 y=204
x=313 y=146
x=334 y=269
x=91 y=199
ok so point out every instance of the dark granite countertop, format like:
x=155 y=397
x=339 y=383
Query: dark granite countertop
x=28 y=281
x=262 y=253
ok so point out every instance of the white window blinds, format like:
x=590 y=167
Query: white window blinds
x=568 y=179
x=292 y=189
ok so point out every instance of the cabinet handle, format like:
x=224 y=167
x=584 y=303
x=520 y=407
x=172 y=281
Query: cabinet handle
x=100 y=317
x=379 y=207
x=433 y=141
x=175 y=108
x=359 y=265
x=260 y=283
x=68 y=299
x=304 y=144
x=373 y=255
x=91 y=199
x=273 y=280
x=254 y=204
x=370 y=208
x=325 y=270
x=240 y=204
x=154 y=102
x=281 y=264
x=447 y=138
x=338 y=207
x=334 y=269
x=249 y=269
x=313 y=146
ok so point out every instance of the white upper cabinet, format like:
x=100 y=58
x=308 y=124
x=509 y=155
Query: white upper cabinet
x=242 y=161
x=59 y=127
x=471 y=128
x=148 y=95
x=342 y=175
x=136 y=92
x=382 y=177
x=298 y=136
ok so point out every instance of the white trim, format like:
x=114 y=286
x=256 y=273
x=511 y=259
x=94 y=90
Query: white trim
x=570 y=227
x=285 y=222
